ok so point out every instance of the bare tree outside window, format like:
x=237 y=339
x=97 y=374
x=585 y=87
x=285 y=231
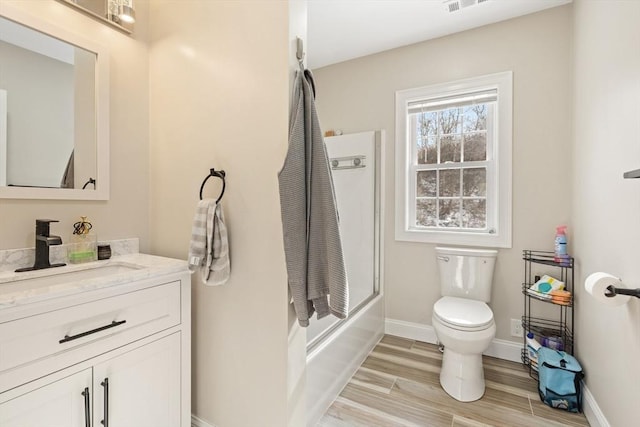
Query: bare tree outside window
x=450 y=189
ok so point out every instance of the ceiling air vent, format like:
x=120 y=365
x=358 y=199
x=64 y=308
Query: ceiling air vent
x=453 y=6
x=456 y=5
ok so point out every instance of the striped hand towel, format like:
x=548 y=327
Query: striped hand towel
x=218 y=268
x=199 y=239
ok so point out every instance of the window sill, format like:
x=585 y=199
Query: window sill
x=495 y=240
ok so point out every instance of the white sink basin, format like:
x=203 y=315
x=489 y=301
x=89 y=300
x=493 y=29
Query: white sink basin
x=59 y=276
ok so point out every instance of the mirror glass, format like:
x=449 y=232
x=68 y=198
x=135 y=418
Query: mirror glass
x=50 y=115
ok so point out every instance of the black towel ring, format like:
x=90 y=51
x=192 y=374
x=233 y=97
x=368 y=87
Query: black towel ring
x=217 y=174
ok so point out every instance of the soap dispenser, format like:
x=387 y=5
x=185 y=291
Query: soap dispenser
x=84 y=243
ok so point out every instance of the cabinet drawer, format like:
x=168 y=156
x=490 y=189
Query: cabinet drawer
x=136 y=314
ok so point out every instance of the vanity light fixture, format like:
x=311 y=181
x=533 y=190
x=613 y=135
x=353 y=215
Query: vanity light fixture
x=126 y=12
x=118 y=13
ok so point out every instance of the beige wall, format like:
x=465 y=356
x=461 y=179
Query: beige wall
x=605 y=206
x=219 y=99
x=358 y=95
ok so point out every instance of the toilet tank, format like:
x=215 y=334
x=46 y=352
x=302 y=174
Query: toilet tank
x=466 y=273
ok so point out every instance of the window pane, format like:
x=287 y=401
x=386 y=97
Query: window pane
x=474 y=213
x=474 y=117
x=475 y=146
x=474 y=182
x=450 y=121
x=428 y=124
x=449 y=213
x=426 y=184
x=450 y=148
x=427 y=150
x=426 y=212
x=450 y=182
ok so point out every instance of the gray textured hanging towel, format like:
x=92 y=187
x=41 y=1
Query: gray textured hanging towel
x=312 y=245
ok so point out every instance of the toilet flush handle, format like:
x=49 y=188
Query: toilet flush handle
x=443 y=258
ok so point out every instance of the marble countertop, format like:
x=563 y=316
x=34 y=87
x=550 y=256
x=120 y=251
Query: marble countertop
x=32 y=286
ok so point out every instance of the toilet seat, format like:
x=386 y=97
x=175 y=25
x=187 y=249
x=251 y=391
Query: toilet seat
x=463 y=314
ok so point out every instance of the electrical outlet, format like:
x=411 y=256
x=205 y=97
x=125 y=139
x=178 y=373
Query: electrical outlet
x=516 y=328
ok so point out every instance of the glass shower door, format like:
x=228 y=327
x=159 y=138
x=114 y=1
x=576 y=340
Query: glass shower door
x=353 y=166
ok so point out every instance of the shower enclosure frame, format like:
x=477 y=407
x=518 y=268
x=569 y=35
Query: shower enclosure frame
x=336 y=354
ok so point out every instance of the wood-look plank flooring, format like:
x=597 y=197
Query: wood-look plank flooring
x=398 y=385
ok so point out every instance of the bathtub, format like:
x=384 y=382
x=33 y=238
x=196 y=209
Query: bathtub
x=336 y=348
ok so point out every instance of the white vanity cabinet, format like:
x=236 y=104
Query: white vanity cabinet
x=115 y=357
x=140 y=387
x=59 y=403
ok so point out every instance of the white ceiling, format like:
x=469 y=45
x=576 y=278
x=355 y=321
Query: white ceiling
x=339 y=30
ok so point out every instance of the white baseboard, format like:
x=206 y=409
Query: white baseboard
x=410 y=330
x=591 y=409
x=502 y=349
x=506 y=350
x=197 y=422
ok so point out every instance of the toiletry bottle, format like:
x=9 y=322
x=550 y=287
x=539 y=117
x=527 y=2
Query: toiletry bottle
x=561 y=245
x=532 y=348
x=83 y=245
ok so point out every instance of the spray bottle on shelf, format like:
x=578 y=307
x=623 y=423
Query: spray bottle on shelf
x=560 y=252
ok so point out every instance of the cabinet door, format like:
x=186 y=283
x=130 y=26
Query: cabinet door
x=140 y=388
x=51 y=402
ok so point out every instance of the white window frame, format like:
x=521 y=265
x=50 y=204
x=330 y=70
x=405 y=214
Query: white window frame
x=499 y=165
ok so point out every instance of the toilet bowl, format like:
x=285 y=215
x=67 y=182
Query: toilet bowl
x=462 y=320
x=465 y=328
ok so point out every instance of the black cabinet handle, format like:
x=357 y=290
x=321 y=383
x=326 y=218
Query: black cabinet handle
x=105 y=384
x=87 y=415
x=113 y=324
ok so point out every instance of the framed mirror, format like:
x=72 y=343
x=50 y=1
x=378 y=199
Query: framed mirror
x=54 y=111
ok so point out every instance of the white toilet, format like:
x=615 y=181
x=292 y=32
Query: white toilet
x=462 y=320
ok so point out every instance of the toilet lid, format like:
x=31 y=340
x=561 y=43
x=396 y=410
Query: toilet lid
x=463 y=313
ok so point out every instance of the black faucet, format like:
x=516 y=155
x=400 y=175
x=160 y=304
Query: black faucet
x=43 y=241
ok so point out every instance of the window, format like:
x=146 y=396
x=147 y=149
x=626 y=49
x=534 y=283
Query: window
x=453 y=162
